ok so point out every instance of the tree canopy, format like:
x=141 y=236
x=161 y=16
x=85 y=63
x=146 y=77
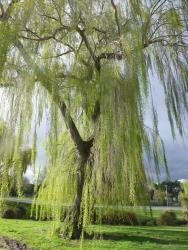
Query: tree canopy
x=183 y=195
x=90 y=62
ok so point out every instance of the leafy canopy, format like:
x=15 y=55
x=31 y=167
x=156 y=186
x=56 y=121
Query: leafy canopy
x=90 y=62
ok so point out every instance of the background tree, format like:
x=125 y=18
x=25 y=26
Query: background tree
x=12 y=165
x=173 y=188
x=89 y=62
x=160 y=197
x=183 y=195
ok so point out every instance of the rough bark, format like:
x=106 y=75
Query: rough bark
x=73 y=216
x=77 y=225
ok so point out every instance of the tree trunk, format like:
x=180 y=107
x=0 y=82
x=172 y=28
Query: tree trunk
x=72 y=223
x=77 y=224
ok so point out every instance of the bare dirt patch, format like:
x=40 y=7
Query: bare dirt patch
x=6 y=243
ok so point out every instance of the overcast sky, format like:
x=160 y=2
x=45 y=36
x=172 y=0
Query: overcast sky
x=176 y=151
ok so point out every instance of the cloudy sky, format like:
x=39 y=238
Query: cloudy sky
x=176 y=150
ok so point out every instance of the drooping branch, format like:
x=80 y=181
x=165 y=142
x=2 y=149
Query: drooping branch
x=120 y=56
x=75 y=135
x=2 y=10
x=116 y=16
x=5 y=14
x=157 y=5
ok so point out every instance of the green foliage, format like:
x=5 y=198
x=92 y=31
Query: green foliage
x=35 y=235
x=76 y=54
x=168 y=218
x=20 y=212
x=160 y=196
x=150 y=223
x=183 y=195
x=9 y=213
x=173 y=187
x=4 y=44
x=117 y=217
x=185 y=216
x=14 y=162
x=14 y=212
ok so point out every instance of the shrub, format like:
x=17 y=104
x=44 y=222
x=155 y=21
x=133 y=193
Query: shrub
x=159 y=196
x=150 y=223
x=20 y=212
x=185 y=216
x=143 y=221
x=117 y=217
x=9 y=213
x=146 y=221
x=181 y=223
x=183 y=195
x=168 y=218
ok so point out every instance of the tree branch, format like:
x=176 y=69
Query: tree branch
x=157 y=6
x=70 y=125
x=62 y=106
x=59 y=55
x=2 y=10
x=36 y=37
x=116 y=16
x=5 y=15
x=111 y=56
x=94 y=57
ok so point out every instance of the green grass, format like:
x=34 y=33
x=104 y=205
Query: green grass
x=36 y=235
x=140 y=212
x=145 y=213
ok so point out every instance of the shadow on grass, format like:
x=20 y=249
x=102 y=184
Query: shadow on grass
x=142 y=239
x=173 y=232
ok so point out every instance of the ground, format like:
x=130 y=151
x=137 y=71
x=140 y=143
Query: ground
x=6 y=243
x=37 y=236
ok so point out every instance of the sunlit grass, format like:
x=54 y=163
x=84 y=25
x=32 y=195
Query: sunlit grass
x=37 y=235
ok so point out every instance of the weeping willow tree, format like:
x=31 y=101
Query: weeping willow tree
x=87 y=64
x=13 y=164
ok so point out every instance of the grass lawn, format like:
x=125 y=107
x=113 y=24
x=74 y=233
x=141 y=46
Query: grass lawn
x=36 y=235
x=145 y=213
